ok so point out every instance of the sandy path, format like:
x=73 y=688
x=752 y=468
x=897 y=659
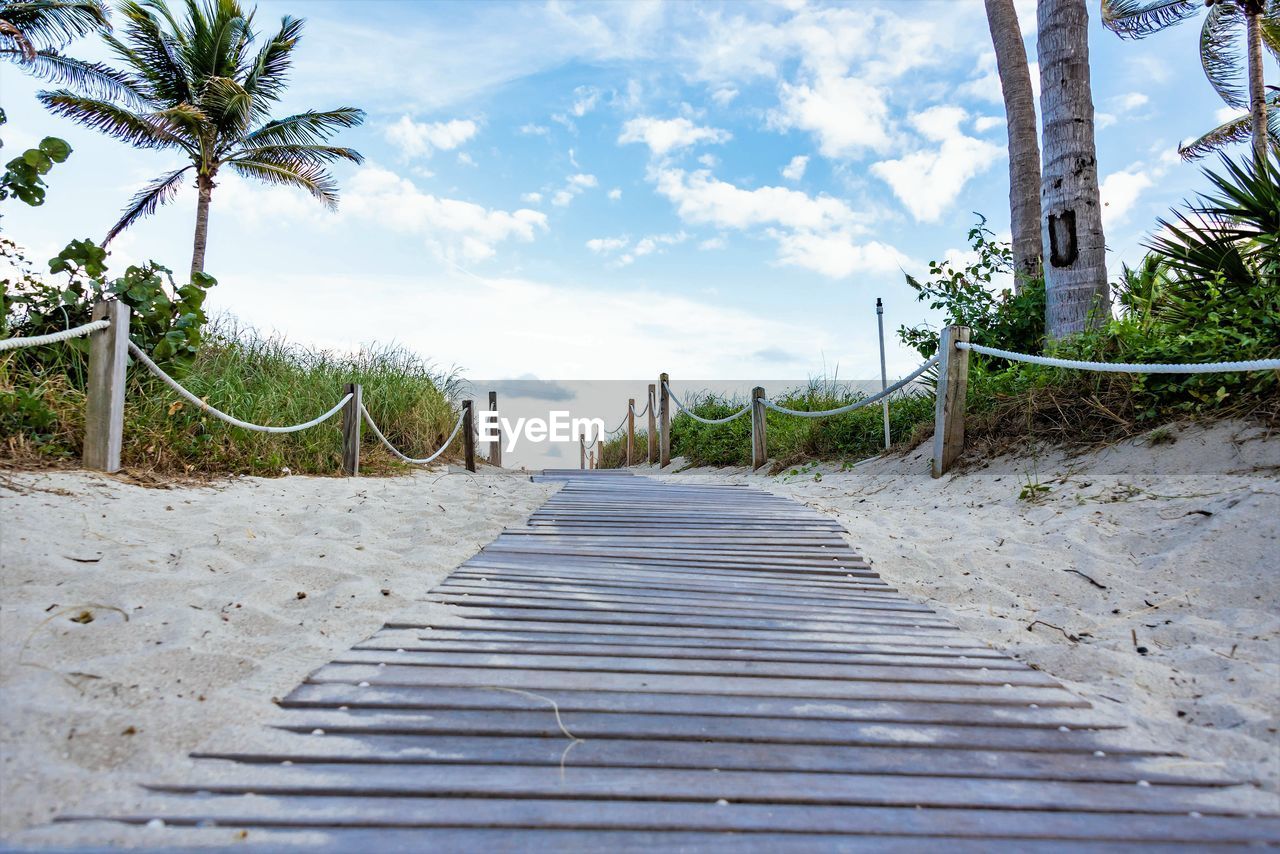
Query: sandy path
x=206 y=602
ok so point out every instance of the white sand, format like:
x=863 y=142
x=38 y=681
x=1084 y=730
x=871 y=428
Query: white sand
x=1185 y=537
x=208 y=579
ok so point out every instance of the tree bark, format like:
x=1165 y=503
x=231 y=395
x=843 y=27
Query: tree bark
x=204 y=184
x=1257 y=92
x=1076 y=291
x=1024 y=143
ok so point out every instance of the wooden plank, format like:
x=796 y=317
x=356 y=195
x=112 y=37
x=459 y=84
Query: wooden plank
x=104 y=392
x=659 y=784
x=953 y=384
x=469 y=435
x=351 y=418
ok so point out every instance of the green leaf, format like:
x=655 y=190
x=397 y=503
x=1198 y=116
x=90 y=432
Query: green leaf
x=57 y=149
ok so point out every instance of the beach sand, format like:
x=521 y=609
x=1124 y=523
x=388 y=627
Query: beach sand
x=1145 y=577
x=203 y=603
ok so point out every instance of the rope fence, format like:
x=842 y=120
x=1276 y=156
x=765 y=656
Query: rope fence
x=110 y=347
x=53 y=337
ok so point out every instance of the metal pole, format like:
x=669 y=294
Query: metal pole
x=884 y=376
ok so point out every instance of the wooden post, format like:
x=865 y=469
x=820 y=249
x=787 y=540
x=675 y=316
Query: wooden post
x=495 y=447
x=948 y=411
x=631 y=430
x=652 y=409
x=351 y=431
x=664 y=421
x=593 y=460
x=759 y=443
x=469 y=434
x=104 y=410
x=582 y=450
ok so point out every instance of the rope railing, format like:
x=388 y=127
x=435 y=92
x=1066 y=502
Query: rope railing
x=53 y=337
x=368 y=419
x=218 y=413
x=1125 y=367
x=696 y=417
x=857 y=404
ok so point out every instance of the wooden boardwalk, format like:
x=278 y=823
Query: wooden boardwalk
x=673 y=667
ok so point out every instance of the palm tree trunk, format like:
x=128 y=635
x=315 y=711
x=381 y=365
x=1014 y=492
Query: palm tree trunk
x=1076 y=292
x=1024 y=144
x=205 y=185
x=1257 y=92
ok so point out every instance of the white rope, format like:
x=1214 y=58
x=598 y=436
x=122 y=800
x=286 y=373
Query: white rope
x=1122 y=368
x=857 y=404
x=643 y=412
x=53 y=337
x=368 y=419
x=236 y=422
x=743 y=411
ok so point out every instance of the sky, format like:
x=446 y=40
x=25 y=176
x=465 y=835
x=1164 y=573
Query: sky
x=596 y=191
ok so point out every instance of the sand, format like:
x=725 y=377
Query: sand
x=205 y=603
x=1145 y=577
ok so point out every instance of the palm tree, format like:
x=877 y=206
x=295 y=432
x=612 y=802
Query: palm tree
x=197 y=86
x=1239 y=84
x=1024 y=146
x=1076 y=291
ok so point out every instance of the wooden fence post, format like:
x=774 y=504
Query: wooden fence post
x=495 y=447
x=631 y=430
x=582 y=451
x=593 y=460
x=948 y=411
x=104 y=409
x=469 y=434
x=351 y=431
x=759 y=442
x=664 y=421
x=652 y=409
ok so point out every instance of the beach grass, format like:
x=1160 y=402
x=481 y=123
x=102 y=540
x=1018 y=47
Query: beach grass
x=258 y=378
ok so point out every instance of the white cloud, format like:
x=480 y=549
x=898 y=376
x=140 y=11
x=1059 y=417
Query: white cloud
x=584 y=100
x=465 y=159
x=712 y=243
x=709 y=160
x=794 y=170
x=561 y=198
x=605 y=245
x=928 y=181
x=847 y=115
x=531 y=198
x=452 y=227
x=416 y=139
x=649 y=245
x=665 y=135
x=1132 y=101
x=982 y=124
x=1226 y=114
x=583 y=181
x=574 y=186
x=724 y=95
x=615 y=194
x=817 y=233
x=534 y=130
x=1119 y=192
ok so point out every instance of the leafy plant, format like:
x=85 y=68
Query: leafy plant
x=23 y=176
x=964 y=293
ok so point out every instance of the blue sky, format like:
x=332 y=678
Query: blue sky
x=597 y=191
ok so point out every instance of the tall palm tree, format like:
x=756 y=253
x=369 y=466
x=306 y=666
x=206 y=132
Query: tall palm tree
x=1076 y=292
x=198 y=86
x=1024 y=146
x=1239 y=83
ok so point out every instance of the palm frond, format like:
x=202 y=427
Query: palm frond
x=140 y=131
x=155 y=53
x=266 y=78
x=50 y=24
x=313 y=179
x=228 y=105
x=147 y=200
x=1235 y=130
x=1269 y=23
x=1135 y=19
x=1220 y=42
x=314 y=155
x=309 y=128
x=90 y=78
